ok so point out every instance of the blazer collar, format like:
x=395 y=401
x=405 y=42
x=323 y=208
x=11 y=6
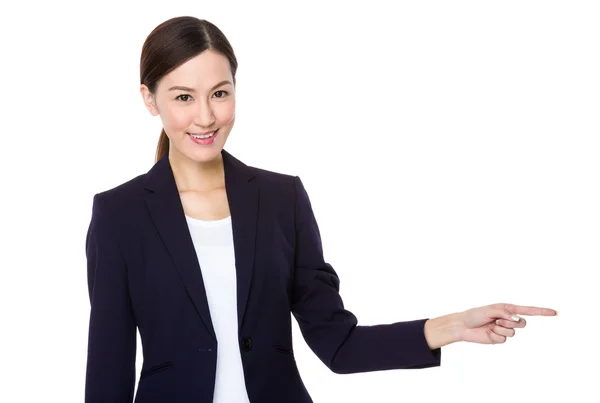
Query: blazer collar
x=166 y=210
x=160 y=177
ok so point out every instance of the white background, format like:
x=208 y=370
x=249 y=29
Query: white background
x=450 y=150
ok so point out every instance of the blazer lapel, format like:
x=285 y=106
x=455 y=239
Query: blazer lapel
x=166 y=210
x=242 y=196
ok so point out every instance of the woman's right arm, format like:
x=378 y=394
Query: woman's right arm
x=110 y=373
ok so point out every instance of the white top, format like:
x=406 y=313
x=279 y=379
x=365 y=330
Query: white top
x=213 y=241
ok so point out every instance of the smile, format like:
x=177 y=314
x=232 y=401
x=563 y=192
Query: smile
x=203 y=136
x=204 y=139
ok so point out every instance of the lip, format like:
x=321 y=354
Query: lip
x=204 y=141
x=201 y=133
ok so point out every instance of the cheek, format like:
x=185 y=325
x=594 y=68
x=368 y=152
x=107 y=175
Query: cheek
x=176 y=119
x=226 y=114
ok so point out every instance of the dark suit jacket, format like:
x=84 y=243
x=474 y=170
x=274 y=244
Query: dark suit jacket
x=143 y=271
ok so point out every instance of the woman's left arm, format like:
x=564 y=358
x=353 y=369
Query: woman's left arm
x=330 y=330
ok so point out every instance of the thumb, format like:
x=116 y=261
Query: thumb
x=506 y=314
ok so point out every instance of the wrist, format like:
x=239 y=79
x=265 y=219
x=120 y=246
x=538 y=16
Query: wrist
x=441 y=331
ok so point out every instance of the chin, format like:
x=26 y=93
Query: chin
x=201 y=153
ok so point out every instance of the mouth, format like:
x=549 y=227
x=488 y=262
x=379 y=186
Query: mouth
x=203 y=138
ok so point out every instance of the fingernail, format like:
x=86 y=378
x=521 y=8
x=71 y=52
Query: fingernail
x=515 y=318
x=497 y=321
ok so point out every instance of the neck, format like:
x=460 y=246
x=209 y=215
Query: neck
x=197 y=176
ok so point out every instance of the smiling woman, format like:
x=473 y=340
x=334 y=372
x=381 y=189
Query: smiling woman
x=187 y=73
x=210 y=258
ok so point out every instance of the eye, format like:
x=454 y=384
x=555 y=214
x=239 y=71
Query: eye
x=180 y=97
x=225 y=92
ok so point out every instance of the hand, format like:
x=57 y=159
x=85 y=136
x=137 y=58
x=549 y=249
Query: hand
x=492 y=324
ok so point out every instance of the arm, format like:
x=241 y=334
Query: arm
x=331 y=331
x=110 y=374
x=441 y=331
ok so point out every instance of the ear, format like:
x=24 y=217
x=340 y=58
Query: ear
x=149 y=100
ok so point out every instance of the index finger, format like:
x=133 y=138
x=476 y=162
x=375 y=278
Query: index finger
x=531 y=310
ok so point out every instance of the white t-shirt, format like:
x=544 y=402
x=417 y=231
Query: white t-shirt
x=213 y=241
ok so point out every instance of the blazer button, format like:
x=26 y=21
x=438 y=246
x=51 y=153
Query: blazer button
x=247 y=343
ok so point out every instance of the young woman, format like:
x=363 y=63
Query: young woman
x=209 y=258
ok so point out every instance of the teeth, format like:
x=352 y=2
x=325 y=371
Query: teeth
x=202 y=136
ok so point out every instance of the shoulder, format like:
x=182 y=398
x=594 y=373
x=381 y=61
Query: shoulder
x=268 y=177
x=121 y=197
x=281 y=185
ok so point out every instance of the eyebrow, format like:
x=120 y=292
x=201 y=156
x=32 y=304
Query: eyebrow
x=182 y=88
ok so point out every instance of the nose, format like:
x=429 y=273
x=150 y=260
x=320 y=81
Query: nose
x=204 y=116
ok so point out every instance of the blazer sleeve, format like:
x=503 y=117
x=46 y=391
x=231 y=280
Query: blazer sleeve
x=110 y=372
x=331 y=331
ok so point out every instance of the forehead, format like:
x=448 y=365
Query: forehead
x=200 y=72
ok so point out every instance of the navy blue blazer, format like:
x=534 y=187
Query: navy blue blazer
x=143 y=272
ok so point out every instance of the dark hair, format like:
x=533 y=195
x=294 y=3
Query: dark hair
x=171 y=44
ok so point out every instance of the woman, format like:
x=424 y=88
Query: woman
x=209 y=257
